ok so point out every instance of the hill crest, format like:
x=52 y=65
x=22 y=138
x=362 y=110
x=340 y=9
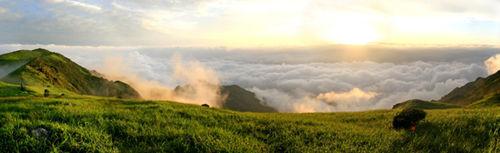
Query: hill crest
x=474 y=91
x=52 y=70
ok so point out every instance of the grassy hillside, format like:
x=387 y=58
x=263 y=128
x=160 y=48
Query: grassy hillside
x=492 y=101
x=421 y=104
x=44 y=69
x=12 y=90
x=22 y=55
x=474 y=91
x=93 y=124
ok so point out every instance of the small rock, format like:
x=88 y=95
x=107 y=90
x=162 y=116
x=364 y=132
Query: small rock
x=40 y=132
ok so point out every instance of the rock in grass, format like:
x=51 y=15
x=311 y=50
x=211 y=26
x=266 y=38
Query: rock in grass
x=40 y=132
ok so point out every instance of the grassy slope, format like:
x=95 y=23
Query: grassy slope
x=491 y=101
x=474 y=91
x=45 y=69
x=113 y=125
x=9 y=90
x=420 y=104
x=21 y=55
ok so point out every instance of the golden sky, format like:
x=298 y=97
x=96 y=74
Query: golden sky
x=250 y=23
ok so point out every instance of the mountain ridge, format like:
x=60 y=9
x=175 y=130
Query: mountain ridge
x=52 y=70
x=474 y=91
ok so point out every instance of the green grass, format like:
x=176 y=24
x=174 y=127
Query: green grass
x=420 y=104
x=9 y=90
x=14 y=90
x=23 y=54
x=93 y=124
x=491 y=101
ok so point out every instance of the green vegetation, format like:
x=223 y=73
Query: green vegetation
x=42 y=69
x=491 y=101
x=8 y=90
x=22 y=55
x=93 y=124
x=421 y=104
x=474 y=91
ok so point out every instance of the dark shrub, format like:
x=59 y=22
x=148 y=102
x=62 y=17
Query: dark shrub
x=205 y=105
x=408 y=118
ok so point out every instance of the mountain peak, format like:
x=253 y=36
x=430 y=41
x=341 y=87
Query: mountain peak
x=41 y=50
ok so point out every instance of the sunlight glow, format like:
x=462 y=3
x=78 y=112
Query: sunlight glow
x=349 y=29
x=355 y=34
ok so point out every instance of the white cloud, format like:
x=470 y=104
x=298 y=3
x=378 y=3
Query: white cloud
x=272 y=23
x=493 y=64
x=355 y=95
x=2 y=10
x=84 y=5
x=78 y=4
x=377 y=85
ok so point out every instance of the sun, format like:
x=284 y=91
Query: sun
x=353 y=34
x=352 y=31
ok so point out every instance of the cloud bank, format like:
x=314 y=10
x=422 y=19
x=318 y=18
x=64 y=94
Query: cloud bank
x=321 y=86
x=324 y=87
x=304 y=80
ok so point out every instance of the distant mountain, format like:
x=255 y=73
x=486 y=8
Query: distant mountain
x=421 y=104
x=45 y=69
x=236 y=98
x=480 y=90
x=240 y=99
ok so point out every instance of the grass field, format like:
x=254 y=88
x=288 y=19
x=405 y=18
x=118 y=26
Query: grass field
x=420 y=104
x=94 y=124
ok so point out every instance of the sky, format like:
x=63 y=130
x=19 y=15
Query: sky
x=249 y=23
x=296 y=55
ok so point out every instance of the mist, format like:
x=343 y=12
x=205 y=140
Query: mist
x=203 y=82
x=6 y=69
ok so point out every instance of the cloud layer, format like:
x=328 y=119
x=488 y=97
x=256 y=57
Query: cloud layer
x=305 y=86
x=367 y=85
x=303 y=80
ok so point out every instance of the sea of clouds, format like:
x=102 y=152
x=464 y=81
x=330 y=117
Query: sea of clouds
x=302 y=81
